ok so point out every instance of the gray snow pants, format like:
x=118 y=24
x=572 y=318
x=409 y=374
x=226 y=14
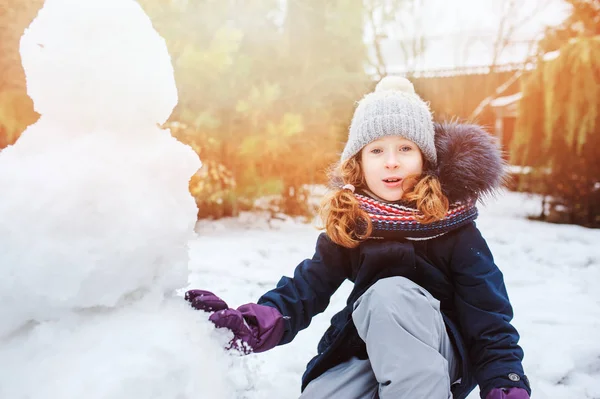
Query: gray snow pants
x=410 y=353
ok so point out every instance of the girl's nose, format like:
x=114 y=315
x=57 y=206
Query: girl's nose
x=391 y=162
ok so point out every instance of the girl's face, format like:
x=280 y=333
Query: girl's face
x=388 y=164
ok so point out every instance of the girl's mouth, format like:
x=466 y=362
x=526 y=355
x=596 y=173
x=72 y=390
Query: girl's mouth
x=392 y=182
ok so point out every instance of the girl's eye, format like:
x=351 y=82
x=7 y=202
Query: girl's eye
x=405 y=148
x=376 y=151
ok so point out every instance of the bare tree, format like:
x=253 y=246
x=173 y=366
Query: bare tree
x=505 y=35
x=397 y=25
x=378 y=36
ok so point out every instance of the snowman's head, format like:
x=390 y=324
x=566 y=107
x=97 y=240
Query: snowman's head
x=98 y=62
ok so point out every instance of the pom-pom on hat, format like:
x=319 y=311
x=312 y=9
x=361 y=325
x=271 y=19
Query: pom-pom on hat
x=393 y=109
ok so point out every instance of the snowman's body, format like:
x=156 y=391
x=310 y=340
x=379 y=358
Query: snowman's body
x=96 y=218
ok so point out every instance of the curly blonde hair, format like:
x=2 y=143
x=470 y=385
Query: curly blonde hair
x=347 y=224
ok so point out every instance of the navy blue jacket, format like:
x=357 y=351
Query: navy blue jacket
x=456 y=268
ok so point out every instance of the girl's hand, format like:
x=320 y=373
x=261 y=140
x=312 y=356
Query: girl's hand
x=255 y=328
x=205 y=300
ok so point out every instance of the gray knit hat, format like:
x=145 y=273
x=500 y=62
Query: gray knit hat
x=393 y=109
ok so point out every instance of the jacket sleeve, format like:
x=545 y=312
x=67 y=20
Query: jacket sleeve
x=484 y=312
x=308 y=292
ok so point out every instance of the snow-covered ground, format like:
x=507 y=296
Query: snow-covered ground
x=552 y=273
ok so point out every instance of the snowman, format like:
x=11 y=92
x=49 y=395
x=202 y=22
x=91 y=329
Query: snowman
x=96 y=218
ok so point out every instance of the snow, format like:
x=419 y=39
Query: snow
x=96 y=220
x=551 y=272
x=97 y=242
x=74 y=193
x=146 y=350
x=75 y=44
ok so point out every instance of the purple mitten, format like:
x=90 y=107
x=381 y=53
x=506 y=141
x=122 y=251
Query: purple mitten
x=256 y=328
x=507 y=393
x=205 y=300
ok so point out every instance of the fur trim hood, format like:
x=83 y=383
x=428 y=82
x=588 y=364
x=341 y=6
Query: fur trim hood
x=470 y=164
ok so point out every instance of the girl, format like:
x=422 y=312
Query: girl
x=429 y=316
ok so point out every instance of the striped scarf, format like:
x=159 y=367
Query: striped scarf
x=393 y=220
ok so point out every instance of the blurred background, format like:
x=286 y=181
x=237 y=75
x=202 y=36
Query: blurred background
x=267 y=89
